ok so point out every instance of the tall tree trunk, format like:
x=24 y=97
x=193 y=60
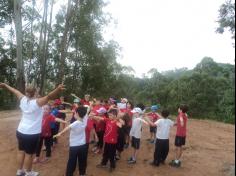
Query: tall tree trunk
x=65 y=37
x=31 y=56
x=43 y=57
x=20 y=81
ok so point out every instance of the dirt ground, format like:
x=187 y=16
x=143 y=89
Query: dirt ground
x=209 y=151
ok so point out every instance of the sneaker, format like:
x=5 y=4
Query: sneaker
x=132 y=161
x=153 y=164
x=117 y=157
x=175 y=164
x=20 y=173
x=32 y=173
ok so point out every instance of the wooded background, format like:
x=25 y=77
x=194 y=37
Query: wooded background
x=47 y=46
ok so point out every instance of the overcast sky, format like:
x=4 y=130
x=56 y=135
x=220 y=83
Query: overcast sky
x=168 y=34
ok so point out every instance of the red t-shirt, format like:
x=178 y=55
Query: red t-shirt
x=181 y=131
x=88 y=129
x=84 y=102
x=100 y=125
x=153 y=116
x=111 y=132
x=95 y=108
x=46 y=128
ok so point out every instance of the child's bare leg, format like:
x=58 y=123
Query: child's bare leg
x=28 y=162
x=20 y=159
x=135 y=154
x=178 y=153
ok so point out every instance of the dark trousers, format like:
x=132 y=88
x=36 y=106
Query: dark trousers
x=77 y=153
x=161 y=150
x=100 y=135
x=47 y=143
x=56 y=130
x=109 y=154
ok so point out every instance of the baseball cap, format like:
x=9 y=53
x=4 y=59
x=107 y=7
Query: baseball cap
x=137 y=110
x=112 y=100
x=154 y=107
x=101 y=110
x=125 y=100
x=76 y=100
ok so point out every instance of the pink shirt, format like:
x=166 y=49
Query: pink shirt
x=181 y=131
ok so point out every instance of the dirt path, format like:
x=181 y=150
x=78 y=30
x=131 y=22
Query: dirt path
x=209 y=151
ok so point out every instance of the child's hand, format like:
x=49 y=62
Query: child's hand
x=57 y=135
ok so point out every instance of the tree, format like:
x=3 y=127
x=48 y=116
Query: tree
x=20 y=80
x=226 y=18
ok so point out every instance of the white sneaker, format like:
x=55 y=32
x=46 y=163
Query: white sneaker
x=32 y=173
x=20 y=173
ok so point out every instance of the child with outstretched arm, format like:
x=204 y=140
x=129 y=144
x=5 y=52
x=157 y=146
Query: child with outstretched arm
x=163 y=126
x=135 y=133
x=77 y=140
x=46 y=135
x=110 y=138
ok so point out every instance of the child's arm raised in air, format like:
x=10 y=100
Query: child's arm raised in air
x=16 y=92
x=73 y=95
x=62 y=132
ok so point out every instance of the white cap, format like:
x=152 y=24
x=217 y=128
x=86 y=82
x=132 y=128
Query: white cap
x=137 y=110
x=101 y=110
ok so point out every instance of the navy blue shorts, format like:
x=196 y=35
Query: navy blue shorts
x=135 y=143
x=27 y=142
x=179 y=141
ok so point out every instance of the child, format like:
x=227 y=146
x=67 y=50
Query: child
x=153 y=116
x=110 y=138
x=135 y=133
x=122 y=134
x=180 y=137
x=130 y=106
x=162 y=137
x=46 y=135
x=100 y=130
x=78 y=147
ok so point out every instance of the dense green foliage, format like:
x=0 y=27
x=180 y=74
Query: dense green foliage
x=91 y=67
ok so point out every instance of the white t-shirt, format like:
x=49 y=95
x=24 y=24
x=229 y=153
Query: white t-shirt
x=32 y=115
x=136 y=128
x=163 y=128
x=77 y=132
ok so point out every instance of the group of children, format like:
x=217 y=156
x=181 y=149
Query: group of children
x=111 y=125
